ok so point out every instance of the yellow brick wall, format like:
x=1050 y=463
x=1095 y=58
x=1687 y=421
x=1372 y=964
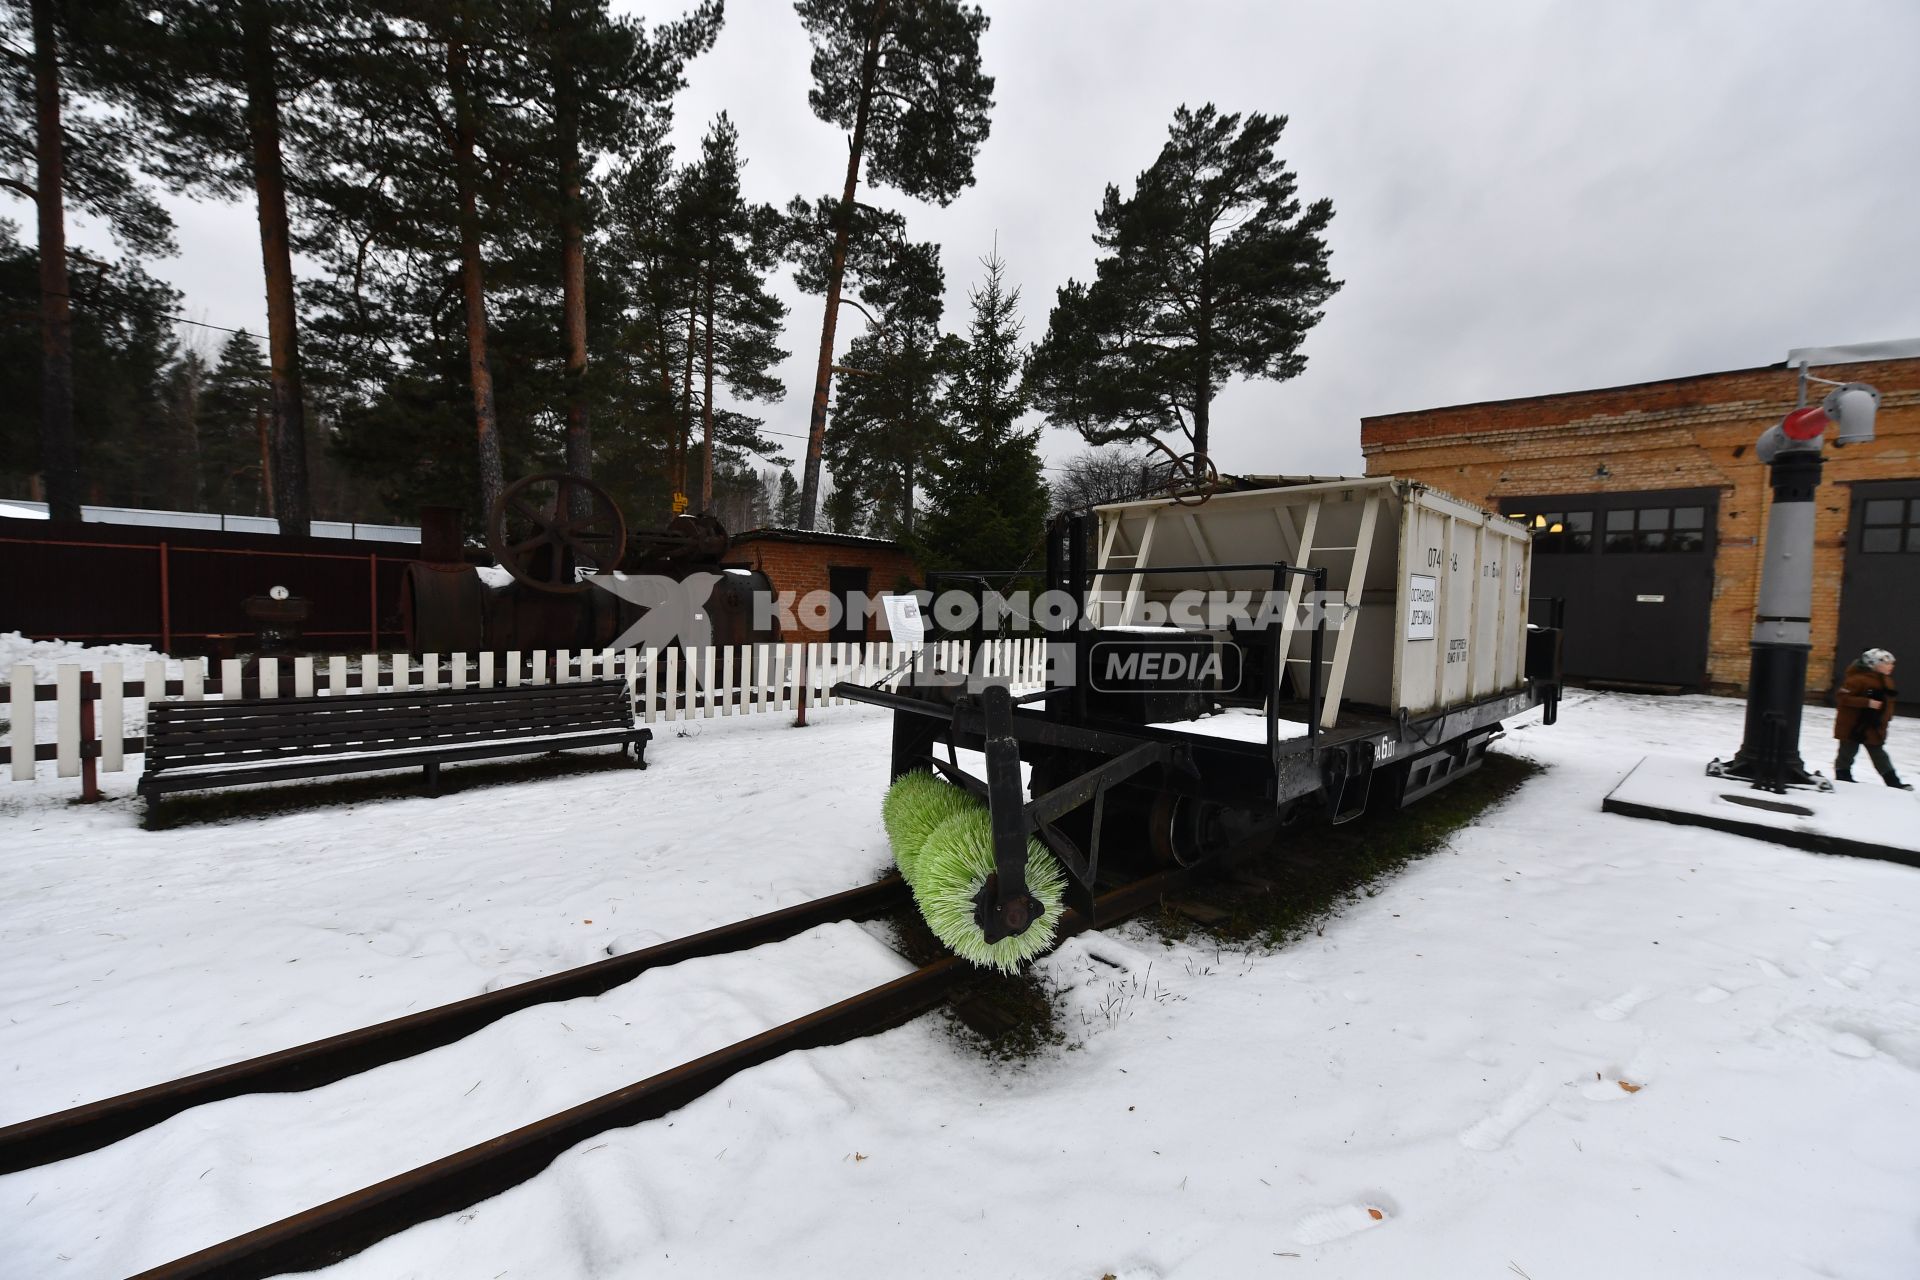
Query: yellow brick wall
x=1683 y=433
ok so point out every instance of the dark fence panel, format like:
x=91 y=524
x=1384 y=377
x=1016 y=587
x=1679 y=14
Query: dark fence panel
x=183 y=589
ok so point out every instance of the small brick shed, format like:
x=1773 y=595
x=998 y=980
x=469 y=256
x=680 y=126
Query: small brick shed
x=1649 y=506
x=801 y=561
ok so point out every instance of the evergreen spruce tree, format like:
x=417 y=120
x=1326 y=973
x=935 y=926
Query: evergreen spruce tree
x=989 y=500
x=903 y=78
x=1211 y=269
x=732 y=247
x=642 y=252
x=234 y=405
x=123 y=347
x=887 y=423
x=787 y=511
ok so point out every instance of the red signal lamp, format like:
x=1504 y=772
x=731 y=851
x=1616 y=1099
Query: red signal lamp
x=1809 y=423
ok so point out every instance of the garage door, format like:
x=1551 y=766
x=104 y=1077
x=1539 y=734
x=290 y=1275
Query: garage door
x=1880 y=593
x=1636 y=572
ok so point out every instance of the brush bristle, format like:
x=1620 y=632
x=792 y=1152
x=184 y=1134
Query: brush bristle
x=915 y=804
x=950 y=869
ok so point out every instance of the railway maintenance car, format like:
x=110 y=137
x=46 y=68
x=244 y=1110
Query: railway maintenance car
x=1229 y=663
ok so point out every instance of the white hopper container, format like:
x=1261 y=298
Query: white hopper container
x=1387 y=545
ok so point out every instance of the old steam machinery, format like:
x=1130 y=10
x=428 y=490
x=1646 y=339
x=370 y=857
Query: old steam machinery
x=570 y=575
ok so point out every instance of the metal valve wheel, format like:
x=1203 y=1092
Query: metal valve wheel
x=535 y=537
x=1193 y=479
x=1188 y=478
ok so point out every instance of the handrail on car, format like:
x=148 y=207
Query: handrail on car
x=1280 y=570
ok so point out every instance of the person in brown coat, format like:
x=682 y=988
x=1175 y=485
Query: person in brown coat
x=1865 y=699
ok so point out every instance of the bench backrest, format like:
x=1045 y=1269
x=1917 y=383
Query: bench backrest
x=252 y=730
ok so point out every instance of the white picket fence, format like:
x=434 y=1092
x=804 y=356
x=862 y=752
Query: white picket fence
x=87 y=730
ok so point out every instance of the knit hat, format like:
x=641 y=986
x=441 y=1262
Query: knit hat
x=1874 y=657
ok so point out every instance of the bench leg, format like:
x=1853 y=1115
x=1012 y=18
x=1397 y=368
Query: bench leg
x=433 y=779
x=640 y=753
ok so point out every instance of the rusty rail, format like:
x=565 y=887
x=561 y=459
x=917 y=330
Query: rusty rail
x=341 y=1227
x=96 y=1124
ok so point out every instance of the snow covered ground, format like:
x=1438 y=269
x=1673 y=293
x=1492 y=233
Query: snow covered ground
x=1435 y=1086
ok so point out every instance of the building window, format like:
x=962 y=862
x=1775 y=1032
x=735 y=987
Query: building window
x=1619 y=532
x=1689 y=529
x=1653 y=527
x=1891 y=525
x=1558 y=532
x=1656 y=530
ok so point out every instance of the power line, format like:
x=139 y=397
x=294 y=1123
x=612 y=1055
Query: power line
x=178 y=317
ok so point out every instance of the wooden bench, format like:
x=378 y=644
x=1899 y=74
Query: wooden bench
x=231 y=742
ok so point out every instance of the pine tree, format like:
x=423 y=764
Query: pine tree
x=989 y=501
x=903 y=78
x=422 y=177
x=211 y=82
x=607 y=77
x=1211 y=270
x=53 y=151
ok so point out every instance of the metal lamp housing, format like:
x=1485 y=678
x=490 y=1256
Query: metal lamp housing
x=1852 y=408
x=1799 y=432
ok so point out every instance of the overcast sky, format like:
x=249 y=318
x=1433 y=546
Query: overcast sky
x=1528 y=197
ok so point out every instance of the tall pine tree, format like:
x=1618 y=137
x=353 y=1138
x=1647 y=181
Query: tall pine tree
x=54 y=151
x=1212 y=270
x=903 y=78
x=609 y=79
x=218 y=86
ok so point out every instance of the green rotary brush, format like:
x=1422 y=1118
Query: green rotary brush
x=948 y=875
x=943 y=842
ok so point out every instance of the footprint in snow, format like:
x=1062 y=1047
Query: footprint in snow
x=1623 y=1004
x=1491 y=1131
x=1850 y=1045
x=1711 y=994
x=1325 y=1225
x=1856 y=975
x=1773 y=970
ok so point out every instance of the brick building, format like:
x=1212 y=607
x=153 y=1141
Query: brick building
x=1649 y=508
x=801 y=561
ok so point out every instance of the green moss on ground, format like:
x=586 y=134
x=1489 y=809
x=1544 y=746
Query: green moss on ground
x=1004 y=1017
x=1313 y=871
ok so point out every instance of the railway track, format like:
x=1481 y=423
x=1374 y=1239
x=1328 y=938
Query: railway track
x=325 y=1234
x=78 y=1130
